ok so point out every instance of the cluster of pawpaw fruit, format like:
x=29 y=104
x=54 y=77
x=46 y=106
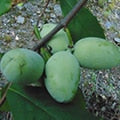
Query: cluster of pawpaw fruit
x=63 y=67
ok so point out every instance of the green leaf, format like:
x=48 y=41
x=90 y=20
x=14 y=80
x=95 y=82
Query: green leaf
x=37 y=32
x=20 y=4
x=5 y=5
x=84 y=24
x=1 y=54
x=45 y=54
x=35 y=104
x=4 y=106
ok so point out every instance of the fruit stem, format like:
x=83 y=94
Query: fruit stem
x=63 y=23
x=69 y=37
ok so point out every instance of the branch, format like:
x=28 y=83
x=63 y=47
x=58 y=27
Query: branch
x=63 y=23
x=4 y=95
x=42 y=12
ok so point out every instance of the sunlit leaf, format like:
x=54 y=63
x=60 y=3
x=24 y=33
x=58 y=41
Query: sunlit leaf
x=84 y=24
x=5 y=5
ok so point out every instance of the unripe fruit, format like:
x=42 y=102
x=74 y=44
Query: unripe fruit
x=97 y=53
x=119 y=48
x=22 y=66
x=59 y=41
x=63 y=75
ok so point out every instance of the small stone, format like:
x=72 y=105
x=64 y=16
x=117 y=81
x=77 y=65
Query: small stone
x=58 y=10
x=47 y=10
x=52 y=15
x=108 y=25
x=109 y=1
x=16 y=38
x=38 y=12
x=103 y=109
x=31 y=20
x=20 y=20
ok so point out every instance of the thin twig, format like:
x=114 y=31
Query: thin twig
x=63 y=23
x=42 y=12
x=4 y=94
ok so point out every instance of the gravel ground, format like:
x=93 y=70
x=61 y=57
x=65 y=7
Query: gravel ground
x=103 y=87
x=100 y=88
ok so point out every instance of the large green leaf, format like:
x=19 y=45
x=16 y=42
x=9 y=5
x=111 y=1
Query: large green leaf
x=84 y=24
x=5 y=5
x=1 y=54
x=35 y=104
x=4 y=106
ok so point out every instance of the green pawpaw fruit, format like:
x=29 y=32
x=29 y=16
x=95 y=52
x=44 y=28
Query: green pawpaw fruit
x=62 y=76
x=97 y=53
x=22 y=66
x=59 y=41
